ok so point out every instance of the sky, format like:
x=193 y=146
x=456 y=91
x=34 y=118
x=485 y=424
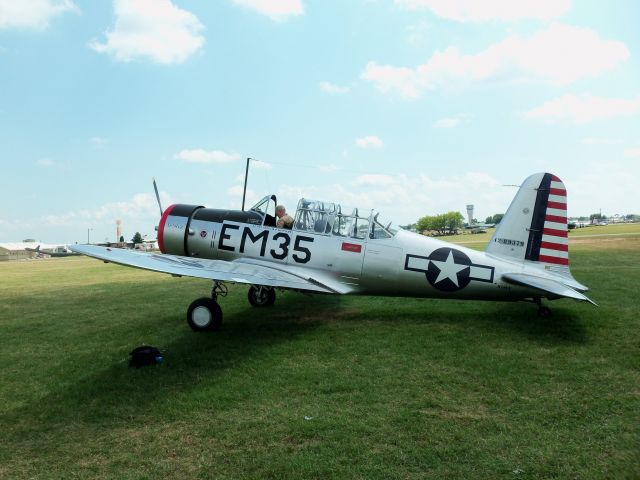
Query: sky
x=410 y=107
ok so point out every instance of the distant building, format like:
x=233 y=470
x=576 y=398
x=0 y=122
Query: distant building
x=15 y=251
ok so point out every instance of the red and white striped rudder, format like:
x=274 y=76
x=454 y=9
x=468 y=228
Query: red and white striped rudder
x=535 y=226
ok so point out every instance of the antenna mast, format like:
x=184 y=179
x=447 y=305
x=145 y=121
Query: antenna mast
x=246 y=176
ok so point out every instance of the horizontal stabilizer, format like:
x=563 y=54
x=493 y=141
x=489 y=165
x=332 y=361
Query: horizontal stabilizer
x=545 y=285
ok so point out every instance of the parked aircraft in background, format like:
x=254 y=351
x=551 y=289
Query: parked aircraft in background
x=53 y=251
x=334 y=250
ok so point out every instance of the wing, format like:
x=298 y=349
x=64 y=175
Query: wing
x=239 y=271
x=545 y=285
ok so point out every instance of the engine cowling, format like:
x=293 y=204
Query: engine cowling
x=173 y=230
x=180 y=223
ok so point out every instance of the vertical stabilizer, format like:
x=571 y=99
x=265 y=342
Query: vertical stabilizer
x=535 y=225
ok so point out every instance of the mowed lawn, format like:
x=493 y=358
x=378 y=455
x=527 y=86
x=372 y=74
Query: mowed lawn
x=317 y=386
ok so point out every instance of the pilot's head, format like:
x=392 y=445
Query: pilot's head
x=280 y=211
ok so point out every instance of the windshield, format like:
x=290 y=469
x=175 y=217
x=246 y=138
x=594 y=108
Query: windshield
x=381 y=228
x=261 y=206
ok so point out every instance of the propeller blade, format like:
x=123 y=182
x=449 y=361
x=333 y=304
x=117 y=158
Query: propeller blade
x=155 y=187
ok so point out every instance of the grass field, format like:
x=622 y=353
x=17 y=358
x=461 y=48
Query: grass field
x=613 y=230
x=317 y=387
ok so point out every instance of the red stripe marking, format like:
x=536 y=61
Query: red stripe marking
x=554 y=232
x=351 y=247
x=548 y=259
x=163 y=220
x=555 y=179
x=558 y=191
x=554 y=246
x=555 y=218
x=557 y=205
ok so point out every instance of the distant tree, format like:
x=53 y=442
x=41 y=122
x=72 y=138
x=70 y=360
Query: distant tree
x=445 y=223
x=454 y=221
x=597 y=217
x=495 y=218
x=121 y=238
x=137 y=238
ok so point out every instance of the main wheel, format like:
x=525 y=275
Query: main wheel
x=204 y=314
x=260 y=296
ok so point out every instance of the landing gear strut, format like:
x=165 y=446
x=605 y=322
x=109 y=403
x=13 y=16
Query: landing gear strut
x=543 y=311
x=261 y=296
x=205 y=314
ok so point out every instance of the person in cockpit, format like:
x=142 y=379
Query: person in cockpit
x=284 y=220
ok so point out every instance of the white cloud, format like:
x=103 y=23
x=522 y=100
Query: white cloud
x=582 y=109
x=32 y=13
x=142 y=206
x=558 y=55
x=370 y=141
x=99 y=142
x=278 y=10
x=251 y=197
x=632 y=153
x=475 y=11
x=332 y=88
x=447 y=123
x=452 y=122
x=154 y=29
x=199 y=155
x=603 y=185
x=261 y=164
x=416 y=34
x=45 y=162
x=404 y=198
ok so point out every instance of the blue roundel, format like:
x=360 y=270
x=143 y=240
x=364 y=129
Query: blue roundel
x=448 y=269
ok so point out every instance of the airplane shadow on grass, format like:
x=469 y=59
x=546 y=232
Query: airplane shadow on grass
x=119 y=395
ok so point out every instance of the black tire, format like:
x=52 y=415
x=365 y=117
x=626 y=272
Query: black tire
x=544 y=312
x=261 y=296
x=204 y=315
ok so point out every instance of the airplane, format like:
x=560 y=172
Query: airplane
x=52 y=251
x=333 y=250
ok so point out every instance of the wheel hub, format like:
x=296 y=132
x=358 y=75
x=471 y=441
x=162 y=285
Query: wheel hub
x=201 y=316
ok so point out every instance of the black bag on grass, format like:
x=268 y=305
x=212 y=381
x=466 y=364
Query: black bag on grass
x=145 y=355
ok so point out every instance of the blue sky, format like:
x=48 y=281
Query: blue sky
x=412 y=107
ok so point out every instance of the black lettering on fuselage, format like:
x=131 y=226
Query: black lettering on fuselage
x=228 y=241
x=224 y=236
x=247 y=233
x=284 y=246
x=298 y=248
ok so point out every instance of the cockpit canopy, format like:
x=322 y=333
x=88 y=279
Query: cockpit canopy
x=327 y=218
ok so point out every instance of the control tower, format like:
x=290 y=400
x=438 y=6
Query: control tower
x=470 y=214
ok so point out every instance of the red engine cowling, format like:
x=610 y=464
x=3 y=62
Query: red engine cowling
x=173 y=230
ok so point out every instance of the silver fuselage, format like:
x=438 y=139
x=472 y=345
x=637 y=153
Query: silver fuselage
x=407 y=264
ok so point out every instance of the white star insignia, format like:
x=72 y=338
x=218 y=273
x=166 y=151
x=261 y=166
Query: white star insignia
x=449 y=269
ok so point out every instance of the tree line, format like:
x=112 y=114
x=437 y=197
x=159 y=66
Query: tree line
x=447 y=223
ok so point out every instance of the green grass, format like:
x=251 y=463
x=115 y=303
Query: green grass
x=622 y=229
x=316 y=387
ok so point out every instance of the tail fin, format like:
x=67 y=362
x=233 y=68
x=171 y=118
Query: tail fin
x=535 y=225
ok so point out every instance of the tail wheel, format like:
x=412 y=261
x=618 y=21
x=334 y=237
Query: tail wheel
x=260 y=296
x=204 y=314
